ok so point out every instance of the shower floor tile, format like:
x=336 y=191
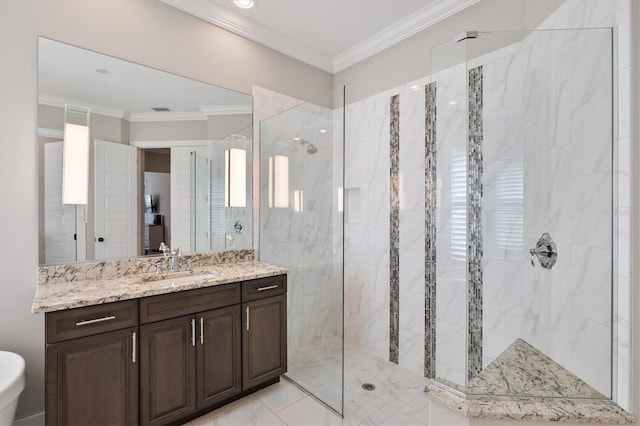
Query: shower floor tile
x=398 y=399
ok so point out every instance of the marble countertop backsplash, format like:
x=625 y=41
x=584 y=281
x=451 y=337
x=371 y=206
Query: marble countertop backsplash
x=93 y=283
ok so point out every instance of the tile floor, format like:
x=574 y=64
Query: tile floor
x=397 y=400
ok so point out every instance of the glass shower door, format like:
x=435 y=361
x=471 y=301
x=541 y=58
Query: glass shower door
x=537 y=179
x=301 y=176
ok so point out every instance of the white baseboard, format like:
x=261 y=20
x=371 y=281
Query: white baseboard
x=35 y=420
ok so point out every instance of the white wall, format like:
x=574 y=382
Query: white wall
x=411 y=56
x=143 y=31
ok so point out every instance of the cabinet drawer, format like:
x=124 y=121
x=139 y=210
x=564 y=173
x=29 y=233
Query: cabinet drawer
x=165 y=306
x=81 y=322
x=264 y=287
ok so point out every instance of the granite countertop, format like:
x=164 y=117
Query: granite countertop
x=54 y=295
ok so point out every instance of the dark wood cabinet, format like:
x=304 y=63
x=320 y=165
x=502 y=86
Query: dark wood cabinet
x=93 y=380
x=198 y=349
x=167 y=370
x=189 y=363
x=264 y=353
x=219 y=355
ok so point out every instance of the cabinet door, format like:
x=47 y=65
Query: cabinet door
x=264 y=340
x=167 y=370
x=93 y=380
x=219 y=369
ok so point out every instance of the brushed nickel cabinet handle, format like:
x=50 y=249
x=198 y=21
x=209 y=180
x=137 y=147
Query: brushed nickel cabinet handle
x=93 y=321
x=269 y=287
x=133 y=345
x=201 y=330
x=193 y=332
x=247 y=318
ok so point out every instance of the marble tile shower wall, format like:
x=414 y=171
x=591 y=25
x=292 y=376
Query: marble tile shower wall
x=304 y=241
x=536 y=304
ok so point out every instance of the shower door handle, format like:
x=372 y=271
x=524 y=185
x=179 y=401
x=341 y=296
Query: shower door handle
x=546 y=251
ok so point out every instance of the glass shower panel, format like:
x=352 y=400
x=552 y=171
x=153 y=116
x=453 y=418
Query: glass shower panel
x=301 y=227
x=547 y=168
x=448 y=77
x=525 y=177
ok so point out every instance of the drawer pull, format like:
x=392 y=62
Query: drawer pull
x=269 y=287
x=93 y=321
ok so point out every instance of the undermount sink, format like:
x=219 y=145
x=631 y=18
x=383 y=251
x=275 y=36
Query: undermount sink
x=179 y=277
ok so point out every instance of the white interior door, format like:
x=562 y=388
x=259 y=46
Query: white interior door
x=116 y=206
x=60 y=235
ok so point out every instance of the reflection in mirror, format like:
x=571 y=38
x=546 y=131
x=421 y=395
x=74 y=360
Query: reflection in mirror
x=145 y=128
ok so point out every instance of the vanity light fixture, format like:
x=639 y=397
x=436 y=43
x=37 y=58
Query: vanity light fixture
x=235 y=182
x=323 y=130
x=244 y=4
x=416 y=87
x=75 y=156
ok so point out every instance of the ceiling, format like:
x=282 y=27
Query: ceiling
x=329 y=34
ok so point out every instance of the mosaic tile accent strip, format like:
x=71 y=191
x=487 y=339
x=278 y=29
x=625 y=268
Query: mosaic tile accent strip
x=394 y=227
x=430 y=232
x=474 y=224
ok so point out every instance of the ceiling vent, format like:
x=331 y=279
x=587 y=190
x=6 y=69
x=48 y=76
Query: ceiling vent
x=161 y=109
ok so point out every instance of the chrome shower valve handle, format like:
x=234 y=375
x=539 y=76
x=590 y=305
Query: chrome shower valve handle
x=546 y=251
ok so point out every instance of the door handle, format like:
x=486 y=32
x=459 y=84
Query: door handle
x=247 y=318
x=133 y=347
x=193 y=332
x=100 y=240
x=201 y=330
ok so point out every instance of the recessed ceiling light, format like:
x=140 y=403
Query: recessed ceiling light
x=244 y=4
x=323 y=130
x=297 y=139
x=452 y=102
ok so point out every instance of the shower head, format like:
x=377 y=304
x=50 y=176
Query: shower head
x=311 y=148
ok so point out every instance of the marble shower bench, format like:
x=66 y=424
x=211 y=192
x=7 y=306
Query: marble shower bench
x=502 y=391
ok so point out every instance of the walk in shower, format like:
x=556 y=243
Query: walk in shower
x=301 y=181
x=520 y=196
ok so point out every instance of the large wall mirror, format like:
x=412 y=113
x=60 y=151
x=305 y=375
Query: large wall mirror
x=169 y=159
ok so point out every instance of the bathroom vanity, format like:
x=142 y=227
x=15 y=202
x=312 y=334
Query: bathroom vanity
x=184 y=347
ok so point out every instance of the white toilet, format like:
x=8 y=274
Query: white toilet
x=11 y=385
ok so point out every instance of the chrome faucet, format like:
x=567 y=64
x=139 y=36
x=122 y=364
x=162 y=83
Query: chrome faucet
x=175 y=259
x=175 y=256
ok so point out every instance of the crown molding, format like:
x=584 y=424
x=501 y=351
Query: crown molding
x=401 y=30
x=166 y=116
x=169 y=143
x=93 y=108
x=226 y=109
x=202 y=114
x=50 y=133
x=227 y=19
x=247 y=28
